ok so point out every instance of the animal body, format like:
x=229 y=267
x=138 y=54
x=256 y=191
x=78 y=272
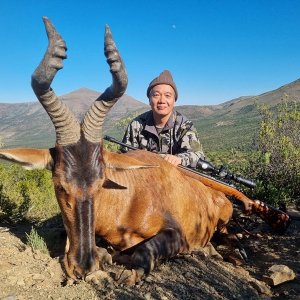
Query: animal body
x=137 y=202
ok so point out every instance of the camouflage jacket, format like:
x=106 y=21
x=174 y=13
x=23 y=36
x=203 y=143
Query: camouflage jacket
x=179 y=137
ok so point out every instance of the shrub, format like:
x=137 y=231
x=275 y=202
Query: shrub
x=36 y=242
x=113 y=147
x=277 y=163
x=123 y=123
x=26 y=194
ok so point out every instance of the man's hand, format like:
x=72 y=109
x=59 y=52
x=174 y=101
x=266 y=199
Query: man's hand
x=174 y=160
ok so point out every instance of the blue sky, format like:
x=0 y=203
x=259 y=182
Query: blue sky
x=216 y=50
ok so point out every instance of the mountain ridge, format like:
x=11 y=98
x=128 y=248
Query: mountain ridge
x=27 y=124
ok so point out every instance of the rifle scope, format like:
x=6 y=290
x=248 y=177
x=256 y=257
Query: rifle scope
x=223 y=173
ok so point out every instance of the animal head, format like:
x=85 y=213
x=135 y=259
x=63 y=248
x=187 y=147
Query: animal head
x=76 y=161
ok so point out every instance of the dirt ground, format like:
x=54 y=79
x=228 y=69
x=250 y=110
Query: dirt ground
x=25 y=274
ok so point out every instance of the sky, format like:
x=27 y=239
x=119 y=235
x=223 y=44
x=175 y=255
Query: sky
x=216 y=50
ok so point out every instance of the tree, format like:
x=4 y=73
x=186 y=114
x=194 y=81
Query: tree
x=277 y=163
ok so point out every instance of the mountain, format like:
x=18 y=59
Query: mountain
x=235 y=123
x=228 y=125
x=27 y=124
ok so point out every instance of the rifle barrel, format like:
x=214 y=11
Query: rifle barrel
x=113 y=140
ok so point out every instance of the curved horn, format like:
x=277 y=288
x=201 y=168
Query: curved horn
x=94 y=118
x=67 y=128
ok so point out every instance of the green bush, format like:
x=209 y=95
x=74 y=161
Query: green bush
x=123 y=123
x=235 y=161
x=26 y=194
x=113 y=147
x=36 y=242
x=276 y=164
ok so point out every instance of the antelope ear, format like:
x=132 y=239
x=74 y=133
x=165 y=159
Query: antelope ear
x=109 y=184
x=29 y=158
x=115 y=164
x=118 y=162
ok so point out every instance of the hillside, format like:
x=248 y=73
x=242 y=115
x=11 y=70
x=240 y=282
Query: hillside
x=27 y=124
x=235 y=123
x=232 y=124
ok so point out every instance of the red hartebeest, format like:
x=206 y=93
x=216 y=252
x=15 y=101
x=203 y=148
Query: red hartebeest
x=140 y=204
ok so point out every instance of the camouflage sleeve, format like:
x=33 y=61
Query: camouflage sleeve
x=131 y=135
x=190 y=146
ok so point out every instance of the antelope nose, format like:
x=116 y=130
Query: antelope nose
x=78 y=275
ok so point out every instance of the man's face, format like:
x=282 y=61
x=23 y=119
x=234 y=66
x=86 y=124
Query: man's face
x=162 y=100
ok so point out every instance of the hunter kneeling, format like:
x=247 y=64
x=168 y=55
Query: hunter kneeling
x=162 y=129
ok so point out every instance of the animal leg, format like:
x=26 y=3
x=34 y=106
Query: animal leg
x=230 y=241
x=67 y=247
x=143 y=257
x=98 y=276
x=104 y=256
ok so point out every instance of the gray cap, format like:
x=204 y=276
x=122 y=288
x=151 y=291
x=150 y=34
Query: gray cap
x=164 y=78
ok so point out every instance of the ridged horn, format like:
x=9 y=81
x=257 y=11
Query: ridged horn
x=67 y=128
x=94 y=118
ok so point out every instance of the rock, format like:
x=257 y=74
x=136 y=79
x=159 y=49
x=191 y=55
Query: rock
x=12 y=280
x=51 y=274
x=239 y=236
x=209 y=250
x=261 y=287
x=242 y=271
x=11 y=297
x=28 y=250
x=278 y=274
x=40 y=256
x=4 y=229
x=148 y=296
x=233 y=260
x=294 y=213
x=38 y=277
x=20 y=282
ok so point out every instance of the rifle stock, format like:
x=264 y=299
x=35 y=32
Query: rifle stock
x=276 y=218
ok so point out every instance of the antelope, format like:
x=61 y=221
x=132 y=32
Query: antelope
x=141 y=205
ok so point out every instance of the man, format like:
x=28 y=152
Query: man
x=162 y=129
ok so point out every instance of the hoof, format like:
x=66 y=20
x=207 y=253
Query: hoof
x=99 y=277
x=122 y=259
x=104 y=256
x=130 y=277
x=69 y=282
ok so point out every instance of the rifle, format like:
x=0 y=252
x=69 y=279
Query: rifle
x=276 y=218
x=223 y=173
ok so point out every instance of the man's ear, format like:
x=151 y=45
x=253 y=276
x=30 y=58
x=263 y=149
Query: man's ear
x=29 y=158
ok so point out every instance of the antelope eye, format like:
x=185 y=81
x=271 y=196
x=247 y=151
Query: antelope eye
x=61 y=189
x=69 y=204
